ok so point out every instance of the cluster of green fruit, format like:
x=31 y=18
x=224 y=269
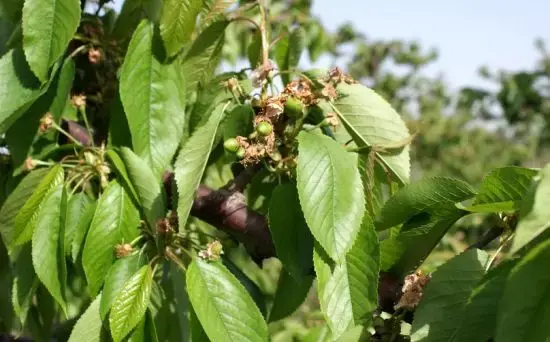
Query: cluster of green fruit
x=232 y=145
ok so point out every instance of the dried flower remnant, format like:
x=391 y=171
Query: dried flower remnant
x=413 y=290
x=46 y=122
x=79 y=100
x=213 y=251
x=337 y=75
x=329 y=92
x=29 y=164
x=123 y=250
x=332 y=119
x=94 y=55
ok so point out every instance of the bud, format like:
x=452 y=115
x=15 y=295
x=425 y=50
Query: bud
x=213 y=251
x=241 y=152
x=94 y=55
x=79 y=100
x=29 y=164
x=46 y=122
x=231 y=145
x=276 y=156
x=264 y=128
x=123 y=250
x=293 y=107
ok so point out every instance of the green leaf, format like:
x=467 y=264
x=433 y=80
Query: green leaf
x=330 y=192
x=524 y=309
x=46 y=36
x=372 y=122
x=238 y=122
x=22 y=137
x=18 y=87
x=255 y=50
x=151 y=95
x=478 y=319
x=147 y=186
x=288 y=52
x=89 y=326
x=15 y=202
x=122 y=171
x=121 y=271
x=436 y=195
x=445 y=296
x=179 y=288
x=48 y=254
x=192 y=160
x=503 y=189
x=27 y=218
x=178 y=23
x=290 y=294
x=224 y=308
x=82 y=229
x=348 y=291
x=534 y=213
x=131 y=303
x=204 y=55
x=116 y=220
x=291 y=236
x=25 y=283
x=119 y=130
x=76 y=207
x=250 y=286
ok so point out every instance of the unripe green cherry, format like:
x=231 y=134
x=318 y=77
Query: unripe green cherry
x=240 y=153
x=231 y=145
x=264 y=128
x=293 y=107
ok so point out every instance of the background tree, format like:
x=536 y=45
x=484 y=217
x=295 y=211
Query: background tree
x=146 y=189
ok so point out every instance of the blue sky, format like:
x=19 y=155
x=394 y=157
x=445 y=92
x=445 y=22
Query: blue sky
x=467 y=33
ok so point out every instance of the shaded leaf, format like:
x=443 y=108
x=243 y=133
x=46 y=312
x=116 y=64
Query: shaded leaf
x=121 y=271
x=25 y=283
x=27 y=218
x=524 y=309
x=89 y=326
x=372 y=122
x=444 y=297
x=178 y=22
x=131 y=303
x=534 y=213
x=76 y=207
x=150 y=93
x=122 y=171
x=119 y=130
x=348 y=291
x=223 y=307
x=238 y=122
x=82 y=229
x=204 y=55
x=16 y=200
x=478 y=319
x=116 y=220
x=18 y=87
x=147 y=186
x=250 y=286
x=48 y=254
x=255 y=49
x=330 y=192
x=502 y=189
x=46 y=36
x=437 y=195
x=291 y=236
x=290 y=294
x=288 y=51
x=22 y=137
x=191 y=162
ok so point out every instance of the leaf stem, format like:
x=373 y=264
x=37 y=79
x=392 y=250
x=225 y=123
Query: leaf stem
x=82 y=111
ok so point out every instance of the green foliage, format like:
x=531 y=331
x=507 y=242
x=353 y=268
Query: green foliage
x=330 y=192
x=223 y=306
x=145 y=196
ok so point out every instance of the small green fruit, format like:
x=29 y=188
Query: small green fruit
x=240 y=153
x=264 y=128
x=231 y=145
x=294 y=107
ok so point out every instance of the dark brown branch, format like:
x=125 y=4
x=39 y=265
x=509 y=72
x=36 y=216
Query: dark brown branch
x=489 y=236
